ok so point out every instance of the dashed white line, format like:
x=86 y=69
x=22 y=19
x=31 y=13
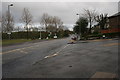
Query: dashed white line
x=57 y=53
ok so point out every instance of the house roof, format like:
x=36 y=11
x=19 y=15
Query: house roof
x=115 y=15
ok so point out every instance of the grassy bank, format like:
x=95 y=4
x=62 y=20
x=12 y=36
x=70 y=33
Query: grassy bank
x=14 y=41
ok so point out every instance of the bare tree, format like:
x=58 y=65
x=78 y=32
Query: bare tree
x=102 y=20
x=57 y=23
x=51 y=23
x=26 y=18
x=60 y=27
x=90 y=14
x=45 y=19
x=7 y=22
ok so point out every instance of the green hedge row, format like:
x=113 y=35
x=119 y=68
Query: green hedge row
x=112 y=34
x=95 y=35
x=106 y=34
x=34 y=35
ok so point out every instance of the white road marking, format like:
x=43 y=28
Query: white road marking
x=54 y=54
x=62 y=48
x=23 y=52
x=19 y=49
x=46 y=56
x=104 y=75
x=57 y=53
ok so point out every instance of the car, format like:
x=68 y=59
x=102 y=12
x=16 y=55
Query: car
x=74 y=38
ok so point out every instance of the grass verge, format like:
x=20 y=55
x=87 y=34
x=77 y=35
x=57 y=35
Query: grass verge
x=14 y=41
x=19 y=41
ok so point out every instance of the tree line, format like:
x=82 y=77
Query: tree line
x=51 y=23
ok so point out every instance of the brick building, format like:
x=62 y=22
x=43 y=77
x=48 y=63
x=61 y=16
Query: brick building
x=114 y=20
x=113 y=23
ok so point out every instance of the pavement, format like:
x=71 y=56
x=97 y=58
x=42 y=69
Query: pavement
x=57 y=59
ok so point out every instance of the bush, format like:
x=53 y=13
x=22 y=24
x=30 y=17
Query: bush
x=112 y=34
x=23 y=35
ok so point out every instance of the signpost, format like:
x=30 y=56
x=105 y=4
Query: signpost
x=9 y=35
x=41 y=29
x=55 y=37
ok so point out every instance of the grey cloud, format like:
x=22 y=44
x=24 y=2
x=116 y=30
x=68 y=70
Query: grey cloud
x=65 y=10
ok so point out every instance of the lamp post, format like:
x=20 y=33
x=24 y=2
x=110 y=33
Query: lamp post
x=40 y=33
x=80 y=27
x=9 y=19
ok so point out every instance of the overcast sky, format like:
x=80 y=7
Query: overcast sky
x=66 y=11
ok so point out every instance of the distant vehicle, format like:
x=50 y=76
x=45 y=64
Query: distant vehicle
x=103 y=36
x=55 y=37
x=74 y=38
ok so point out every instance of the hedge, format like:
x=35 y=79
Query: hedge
x=34 y=35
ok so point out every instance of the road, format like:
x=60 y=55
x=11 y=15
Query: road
x=57 y=59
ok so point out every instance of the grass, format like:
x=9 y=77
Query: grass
x=14 y=41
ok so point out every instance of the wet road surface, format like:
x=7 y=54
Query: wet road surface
x=57 y=59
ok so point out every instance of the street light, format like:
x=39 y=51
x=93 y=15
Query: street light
x=80 y=27
x=77 y=14
x=9 y=19
x=40 y=33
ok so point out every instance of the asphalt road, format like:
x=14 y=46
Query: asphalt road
x=57 y=59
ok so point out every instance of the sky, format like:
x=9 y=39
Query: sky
x=66 y=11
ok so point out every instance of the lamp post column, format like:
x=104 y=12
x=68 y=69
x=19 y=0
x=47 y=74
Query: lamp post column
x=80 y=27
x=8 y=25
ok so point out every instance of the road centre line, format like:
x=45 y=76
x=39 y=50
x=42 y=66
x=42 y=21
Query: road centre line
x=62 y=48
x=19 y=49
x=52 y=55
x=23 y=52
x=55 y=54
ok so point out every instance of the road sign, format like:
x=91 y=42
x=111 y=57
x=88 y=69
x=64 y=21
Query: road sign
x=42 y=29
x=8 y=33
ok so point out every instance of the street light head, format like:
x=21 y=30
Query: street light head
x=11 y=4
x=77 y=14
